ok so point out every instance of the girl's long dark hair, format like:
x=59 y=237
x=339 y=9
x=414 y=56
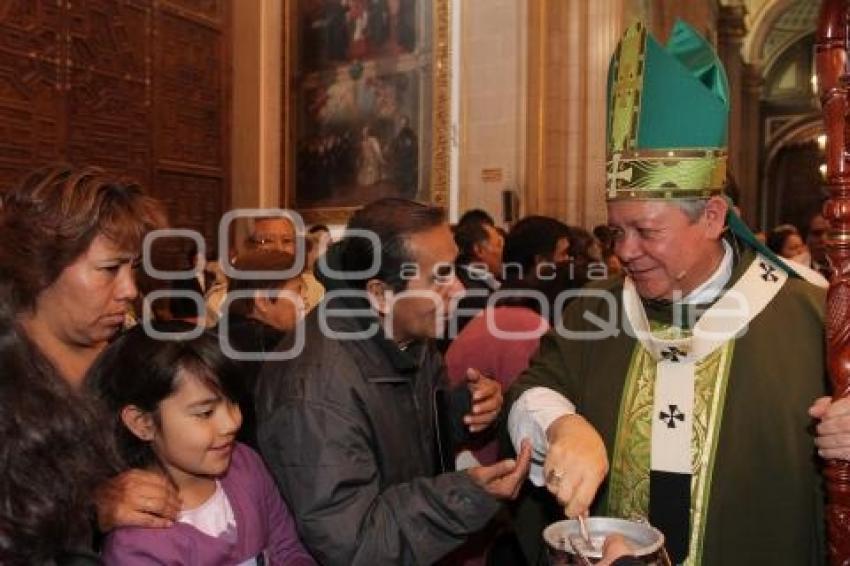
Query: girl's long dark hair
x=54 y=452
x=142 y=370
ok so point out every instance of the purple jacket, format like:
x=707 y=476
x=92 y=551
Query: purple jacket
x=263 y=524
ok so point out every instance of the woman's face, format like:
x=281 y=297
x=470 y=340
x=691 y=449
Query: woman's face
x=793 y=246
x=89 y=301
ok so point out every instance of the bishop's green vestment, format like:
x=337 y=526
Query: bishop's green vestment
x=762 y=500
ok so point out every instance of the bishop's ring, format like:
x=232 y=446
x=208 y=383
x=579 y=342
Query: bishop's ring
x=554 y=477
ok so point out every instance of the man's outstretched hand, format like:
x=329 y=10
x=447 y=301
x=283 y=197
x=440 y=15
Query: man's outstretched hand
x=503 y=480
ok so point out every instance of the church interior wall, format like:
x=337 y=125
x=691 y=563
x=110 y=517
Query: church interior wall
x=530 y=102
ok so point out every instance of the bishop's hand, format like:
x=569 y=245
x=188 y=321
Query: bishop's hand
x=833 y=431
x=576 y=463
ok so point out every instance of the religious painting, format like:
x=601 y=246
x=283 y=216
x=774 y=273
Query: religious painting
x=365 y=104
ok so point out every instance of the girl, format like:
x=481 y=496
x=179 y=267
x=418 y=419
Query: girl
x=174 y=408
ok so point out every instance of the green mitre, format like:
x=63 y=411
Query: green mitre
x=668 y=110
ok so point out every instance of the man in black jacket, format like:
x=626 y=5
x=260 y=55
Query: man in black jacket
x=350 y=426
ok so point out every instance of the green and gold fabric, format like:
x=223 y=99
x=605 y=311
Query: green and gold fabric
x=680 y=372
x=667 y=117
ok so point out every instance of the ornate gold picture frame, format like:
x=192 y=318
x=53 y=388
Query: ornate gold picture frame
x=366 y=107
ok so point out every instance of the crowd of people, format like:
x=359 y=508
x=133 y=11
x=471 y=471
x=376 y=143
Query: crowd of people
x=383 y=449
x=427 y=393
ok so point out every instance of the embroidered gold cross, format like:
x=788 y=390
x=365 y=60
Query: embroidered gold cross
x=614 y=174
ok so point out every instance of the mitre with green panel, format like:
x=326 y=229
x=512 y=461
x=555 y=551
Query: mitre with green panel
x=668 y=109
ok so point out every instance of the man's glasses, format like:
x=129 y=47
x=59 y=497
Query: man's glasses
x=268 y=241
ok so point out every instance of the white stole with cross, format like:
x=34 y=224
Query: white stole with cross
x=673 y=404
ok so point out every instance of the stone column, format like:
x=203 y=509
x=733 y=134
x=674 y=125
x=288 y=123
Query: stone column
x=731 y=30
x=570 y=44
x=255 y=127
x=751 y=143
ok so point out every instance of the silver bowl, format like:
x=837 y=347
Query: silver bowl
x=646 y=540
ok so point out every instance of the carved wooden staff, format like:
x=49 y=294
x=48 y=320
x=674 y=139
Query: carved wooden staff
x=834 y=92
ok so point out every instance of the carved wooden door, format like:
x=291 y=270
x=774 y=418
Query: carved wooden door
x=139 y=87
x=32 y=86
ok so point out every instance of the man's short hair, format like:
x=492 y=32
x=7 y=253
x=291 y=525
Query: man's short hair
x=533 y=236
x=393 y=221
x=470 y=231
x=476 y=215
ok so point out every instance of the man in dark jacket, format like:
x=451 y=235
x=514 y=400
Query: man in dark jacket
x=350 y=427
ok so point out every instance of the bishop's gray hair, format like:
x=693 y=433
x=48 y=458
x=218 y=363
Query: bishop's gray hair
x=692 y=207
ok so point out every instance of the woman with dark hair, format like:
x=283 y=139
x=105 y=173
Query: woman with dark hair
x=71 y=241
x=52 y=457
x=786 y=241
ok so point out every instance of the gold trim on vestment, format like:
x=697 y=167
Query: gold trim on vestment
x=628 y=491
